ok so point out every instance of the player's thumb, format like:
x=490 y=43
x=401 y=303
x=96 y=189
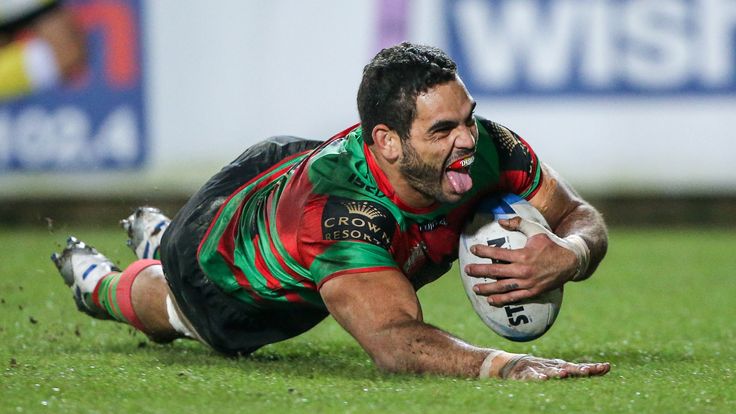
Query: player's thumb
x=531 y=228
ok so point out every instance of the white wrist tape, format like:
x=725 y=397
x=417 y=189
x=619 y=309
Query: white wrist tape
x=485 y=367
x=582 y=252
x=574 y=243
x=488 y=369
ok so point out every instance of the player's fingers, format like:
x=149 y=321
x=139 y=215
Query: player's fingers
x=577 y=370
x=511 y=224
x=496 y=271
x=555 y=372
x=587 y=370
x=599 y=368
x=497 y=253
x=602 y=369
x=509 y=297
x=528 y=227
x=533 y=368
x=500 y=287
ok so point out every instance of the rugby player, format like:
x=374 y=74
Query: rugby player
x=41 y=46
x=294 y=230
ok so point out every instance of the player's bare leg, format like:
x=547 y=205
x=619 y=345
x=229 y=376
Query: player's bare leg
x=149 y=294
x=139 y=295
x=136 y=296
x=145 y=228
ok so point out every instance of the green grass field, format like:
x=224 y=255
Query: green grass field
x=661 y=309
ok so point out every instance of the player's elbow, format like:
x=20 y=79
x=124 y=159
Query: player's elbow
x=388 y=363
x=382 y=353
x=393 y=350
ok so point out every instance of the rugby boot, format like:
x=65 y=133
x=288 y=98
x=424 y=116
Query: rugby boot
x=145 y=227
x=82 y=268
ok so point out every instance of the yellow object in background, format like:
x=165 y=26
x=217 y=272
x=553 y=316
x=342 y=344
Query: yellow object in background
x=40 y=46
x=13 y=78
x=27 y=66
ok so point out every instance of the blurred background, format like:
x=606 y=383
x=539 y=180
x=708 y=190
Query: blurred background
x=633 y=101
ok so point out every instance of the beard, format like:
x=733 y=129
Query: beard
x=422 y=176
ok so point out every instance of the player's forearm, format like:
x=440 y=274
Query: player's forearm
x=572 y=217
x=416 y=347
x=585 y=221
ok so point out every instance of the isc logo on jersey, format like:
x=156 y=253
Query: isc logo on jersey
x=521 y=321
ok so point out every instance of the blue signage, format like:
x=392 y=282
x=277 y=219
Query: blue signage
x=96 y=123
x=594 y=47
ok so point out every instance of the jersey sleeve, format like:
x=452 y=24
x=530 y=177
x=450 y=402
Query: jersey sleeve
x=349 y=257
x=520 y=171
x=351 y=236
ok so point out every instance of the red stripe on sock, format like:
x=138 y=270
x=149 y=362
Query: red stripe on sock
x=123 y=292
x=96 y=293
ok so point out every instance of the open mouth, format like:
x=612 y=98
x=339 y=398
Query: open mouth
x=458 y=174
x=462 y=164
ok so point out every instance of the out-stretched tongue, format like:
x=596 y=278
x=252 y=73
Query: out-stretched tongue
x=459 y=180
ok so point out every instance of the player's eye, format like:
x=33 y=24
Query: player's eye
x=441 y=132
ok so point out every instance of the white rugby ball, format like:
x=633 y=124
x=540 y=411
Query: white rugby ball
x=521 y=321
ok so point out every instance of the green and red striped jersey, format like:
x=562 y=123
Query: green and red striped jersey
x=331 y=211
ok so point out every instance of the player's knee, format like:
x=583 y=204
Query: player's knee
x=150 y=283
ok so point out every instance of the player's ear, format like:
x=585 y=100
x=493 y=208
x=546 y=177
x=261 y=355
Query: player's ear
x=387 y=142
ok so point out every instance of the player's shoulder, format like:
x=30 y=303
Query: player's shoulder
x=340 y=167
x=339 y=146
x=345 y=196
x=493 y=130
x=503 y=138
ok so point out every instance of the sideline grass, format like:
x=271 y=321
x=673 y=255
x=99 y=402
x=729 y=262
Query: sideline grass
x=661 y=309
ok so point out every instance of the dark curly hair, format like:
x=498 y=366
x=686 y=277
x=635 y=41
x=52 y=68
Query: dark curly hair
x=393 y=80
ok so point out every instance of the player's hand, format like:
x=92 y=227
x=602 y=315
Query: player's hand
x=540 y=266
x=527 y=367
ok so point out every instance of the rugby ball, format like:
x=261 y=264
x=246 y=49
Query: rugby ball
x=521 y=321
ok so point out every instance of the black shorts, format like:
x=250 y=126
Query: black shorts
x=227 y=324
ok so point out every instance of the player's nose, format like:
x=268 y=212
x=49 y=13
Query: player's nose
x=465 y=138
